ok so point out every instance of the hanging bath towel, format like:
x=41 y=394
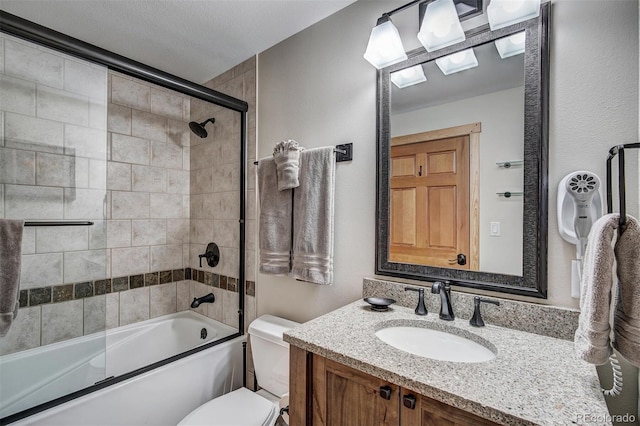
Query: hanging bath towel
x=626 y=324
x=275 y=221
x=10 y=257
x=313 y=217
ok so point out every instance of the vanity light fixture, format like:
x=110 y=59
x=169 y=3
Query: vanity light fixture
x=440 y=26
x=408 y=76
x=385 y=45
x=502 y=13
x=457 y=62
x=512 y=45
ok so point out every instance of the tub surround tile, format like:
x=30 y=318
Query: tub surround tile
x=120 y=284
x=151 y=279
x=33 y=64
x=166 y=277
x=62 y=293
x=148 y=232
x=251 y=288
x=56 y=239
x=36 y=268
x=18 y=95
x=58 y=105
x=28 y=239
x=17 y=166
x=39 y=296
x=215 y=310
x=130 y=93
x=85 y=79
x=94 y=314
x=129 y=205
x=163 y=300
x=136 y=281
x=80 y=266
x=83 y=204
x=178 y=133
x=134 y=306
x=129 y=149
x=230 y=308
x=85 y=142
x=23 y=298
x=183 y=293
x=33 y=202
x=129 y=261
x=112 y=310
x=119 y=119
x=168 y=104
x=36 y=134
x=148 y=179
x=102 y=287
x=166 y=256
x=24 y=332
x=530 y=317
x=82 y=290
x=147 y=125
x=555 y=389
x=62 y=321
x=119 y=176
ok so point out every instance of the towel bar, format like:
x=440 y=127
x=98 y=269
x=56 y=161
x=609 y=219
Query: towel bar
x=61 y=223
x=344 y=151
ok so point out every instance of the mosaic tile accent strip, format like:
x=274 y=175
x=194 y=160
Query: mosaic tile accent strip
x=74 y=291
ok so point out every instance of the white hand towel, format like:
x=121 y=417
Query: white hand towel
x=287 y=156
x=10 y=257
x=275 y=221
x=313 y=217
x=626 y=324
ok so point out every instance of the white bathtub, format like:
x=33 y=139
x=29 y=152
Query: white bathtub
x=160 y=396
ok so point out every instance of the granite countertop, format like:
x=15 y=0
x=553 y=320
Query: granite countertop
x=533 y=379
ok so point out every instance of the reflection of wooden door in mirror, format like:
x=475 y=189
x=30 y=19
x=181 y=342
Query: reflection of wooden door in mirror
x=433 y=206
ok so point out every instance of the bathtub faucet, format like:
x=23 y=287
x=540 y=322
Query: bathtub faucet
x=209 y=298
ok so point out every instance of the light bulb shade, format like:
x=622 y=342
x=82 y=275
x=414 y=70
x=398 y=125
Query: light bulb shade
x=408 y=76
x=502 y=13
x=440 y=26
x=512 y=45
x=385 y=46
x=457 y=62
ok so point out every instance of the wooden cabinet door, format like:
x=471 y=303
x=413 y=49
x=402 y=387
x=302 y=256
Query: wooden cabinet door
x=429 y=412
x=429 y=203
x=343 y=396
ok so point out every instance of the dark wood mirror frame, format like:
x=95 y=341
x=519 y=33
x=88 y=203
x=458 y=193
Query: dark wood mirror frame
x=533 y=281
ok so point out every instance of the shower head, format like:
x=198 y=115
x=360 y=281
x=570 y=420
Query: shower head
x=198 y=128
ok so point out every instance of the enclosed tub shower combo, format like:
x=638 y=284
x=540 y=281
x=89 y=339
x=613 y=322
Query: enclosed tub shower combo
x=107 y=163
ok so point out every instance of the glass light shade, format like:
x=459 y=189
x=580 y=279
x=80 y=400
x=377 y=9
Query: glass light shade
x=502 y=13
x=408 y=76
x=457 y=62
x=440 y=26
x=512 y=45
x=385 y=46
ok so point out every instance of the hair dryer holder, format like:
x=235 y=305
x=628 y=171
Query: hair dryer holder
x=567 y=208
x=212 y=254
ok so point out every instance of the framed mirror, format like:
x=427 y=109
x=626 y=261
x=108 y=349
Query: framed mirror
x=463 y=162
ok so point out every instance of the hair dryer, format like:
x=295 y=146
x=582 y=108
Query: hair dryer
x=582 y=186
x=579 y=206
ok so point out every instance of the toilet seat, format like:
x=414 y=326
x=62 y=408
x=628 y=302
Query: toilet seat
x=241 y=407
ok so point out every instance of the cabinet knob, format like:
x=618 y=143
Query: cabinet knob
x=385 y=392
x=409 y=401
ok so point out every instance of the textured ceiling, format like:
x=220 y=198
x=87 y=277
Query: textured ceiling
x=193 y=39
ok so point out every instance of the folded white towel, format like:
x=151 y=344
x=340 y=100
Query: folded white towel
x=591 y=339
x=626 y=324
x=287 y=156
x=275 y=221
x=10 y=257
x=313 y=217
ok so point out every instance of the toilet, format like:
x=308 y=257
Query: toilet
x=243 y=407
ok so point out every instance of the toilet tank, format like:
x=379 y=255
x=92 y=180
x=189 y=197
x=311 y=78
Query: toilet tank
x=271 y=353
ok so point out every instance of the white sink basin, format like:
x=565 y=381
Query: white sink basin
x=435 y=344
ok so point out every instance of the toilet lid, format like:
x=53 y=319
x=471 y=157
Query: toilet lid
x=241 y=407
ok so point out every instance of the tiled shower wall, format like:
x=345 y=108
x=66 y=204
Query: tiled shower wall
x=53 y=165
x=215 y=196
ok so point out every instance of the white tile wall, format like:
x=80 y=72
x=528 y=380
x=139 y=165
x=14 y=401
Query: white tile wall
x=94 y=314
x=129 y=205
x=21 y=131
x=148 y=125
x=134 y=305
x=163 y=299
x=148 y=179
x=18 y=95
x=85 y=142
x=149 y=232
x=33 y=202
x=56 y=239
x=131 y=93
x=59 y=105
x=17 y=166
x=128 y=149
x=81 y=266
x=129 y=261
x=31 y=63
x=85 y=79
x=24 y=332
x=62 y=321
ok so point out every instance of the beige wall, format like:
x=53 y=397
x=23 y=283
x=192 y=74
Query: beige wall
x=315 y=87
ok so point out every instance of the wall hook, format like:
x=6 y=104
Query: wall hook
x=212 y=254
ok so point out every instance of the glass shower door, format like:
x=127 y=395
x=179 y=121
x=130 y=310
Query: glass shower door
x=53 y=164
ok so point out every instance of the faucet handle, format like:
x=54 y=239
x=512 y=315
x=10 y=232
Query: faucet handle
x=421 y=309
x=476 y=320
x=444 y=290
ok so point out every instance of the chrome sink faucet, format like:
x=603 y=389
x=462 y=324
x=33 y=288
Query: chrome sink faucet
x=444 y=290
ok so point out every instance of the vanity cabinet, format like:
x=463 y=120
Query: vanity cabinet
x=327 y=393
